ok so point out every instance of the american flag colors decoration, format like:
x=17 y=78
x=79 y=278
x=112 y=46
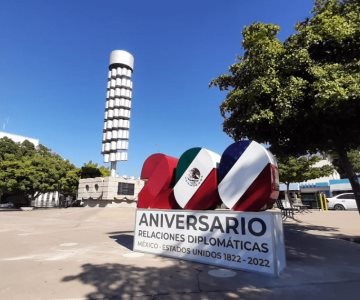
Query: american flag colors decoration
x=248 y=177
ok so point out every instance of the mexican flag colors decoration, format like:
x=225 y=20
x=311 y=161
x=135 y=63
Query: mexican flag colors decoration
x=196 y=179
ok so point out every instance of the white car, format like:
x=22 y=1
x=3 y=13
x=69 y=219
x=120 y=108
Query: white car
x=342 y=202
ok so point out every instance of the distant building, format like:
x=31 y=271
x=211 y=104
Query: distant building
x=309 y=190
x=50 y=199
x=313 y=183
x=19 y=138
x=324 y=162
x=109 y=191
x=330 y=187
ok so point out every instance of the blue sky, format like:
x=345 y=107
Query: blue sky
x=53 y=69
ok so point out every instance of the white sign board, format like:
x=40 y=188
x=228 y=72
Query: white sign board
x=252 y=241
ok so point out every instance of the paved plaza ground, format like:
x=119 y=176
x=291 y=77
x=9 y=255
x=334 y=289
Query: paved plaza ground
x=86 y=253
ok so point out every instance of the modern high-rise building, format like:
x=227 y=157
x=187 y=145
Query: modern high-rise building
x=115 y=141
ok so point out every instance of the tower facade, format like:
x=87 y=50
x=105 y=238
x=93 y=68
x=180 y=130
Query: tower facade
x=115 y=141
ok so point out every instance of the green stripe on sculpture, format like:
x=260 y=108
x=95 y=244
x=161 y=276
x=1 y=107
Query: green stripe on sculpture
x=185 y=160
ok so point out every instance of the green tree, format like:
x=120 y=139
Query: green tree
x=299 y=169
x=8 y=183
x=36 y=175
x=32 y=171
x=92 y=170
x=104 y=171
x=11 y=156
x=8 y=149
x=302 y=95
x=68 y=184
x=354 y=158
x=40 y=173
x=26 y=148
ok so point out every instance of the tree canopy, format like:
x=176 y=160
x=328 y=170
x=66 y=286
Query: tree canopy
x=92 y=170
x=301 y=95
x=299 y=169
x=354 y=158
x=33 y=171
x=30 y=170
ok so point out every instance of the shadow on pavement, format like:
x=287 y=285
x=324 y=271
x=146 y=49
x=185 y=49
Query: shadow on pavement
x=316 y=267
x=124 y=281
x=124 y=239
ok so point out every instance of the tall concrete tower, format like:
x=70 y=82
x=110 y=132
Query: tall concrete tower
x=115 y=141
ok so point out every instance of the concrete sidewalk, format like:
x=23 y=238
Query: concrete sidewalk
x=85 y=253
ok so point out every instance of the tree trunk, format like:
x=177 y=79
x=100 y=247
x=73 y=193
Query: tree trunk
x=347 y=167
x=29 y=198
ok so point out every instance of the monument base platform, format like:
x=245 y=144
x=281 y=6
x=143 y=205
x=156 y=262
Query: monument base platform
x=251 y=241
x=109 y=191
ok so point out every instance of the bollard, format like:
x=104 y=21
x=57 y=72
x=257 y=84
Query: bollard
x=325 y=203
x=321 y=202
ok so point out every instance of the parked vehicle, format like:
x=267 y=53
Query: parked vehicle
x=6 y=205
x=342 y=202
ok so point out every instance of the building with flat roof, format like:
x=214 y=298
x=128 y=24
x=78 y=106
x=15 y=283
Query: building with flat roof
x=109 y=191
x=19 y=138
